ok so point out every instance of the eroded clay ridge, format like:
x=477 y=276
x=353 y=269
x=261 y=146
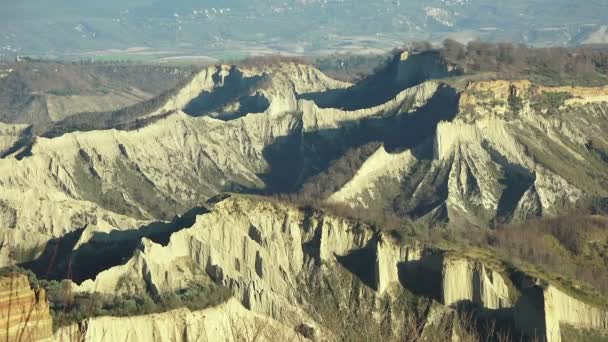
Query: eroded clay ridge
x=24 y=312
x=264 y=251
x=513 y=150
x=124 y=179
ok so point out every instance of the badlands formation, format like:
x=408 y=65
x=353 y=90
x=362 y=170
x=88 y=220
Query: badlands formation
x=147 y=203
x=24 y=313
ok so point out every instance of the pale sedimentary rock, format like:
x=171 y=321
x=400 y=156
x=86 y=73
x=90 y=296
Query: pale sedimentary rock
x=24 y=312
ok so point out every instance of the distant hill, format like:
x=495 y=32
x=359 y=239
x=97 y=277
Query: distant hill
x=237 y=27
x=41 y=92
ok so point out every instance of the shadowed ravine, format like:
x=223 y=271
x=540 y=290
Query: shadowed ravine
x=60 y=259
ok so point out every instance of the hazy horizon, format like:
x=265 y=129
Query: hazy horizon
x=150 y=29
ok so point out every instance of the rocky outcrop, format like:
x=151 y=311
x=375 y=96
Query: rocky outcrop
x=227 y=322
x=561 y=308
x=468 y=281
x=388 y=256
x=125 y=179
x=405 y=70
x=486 y=162
x=10 y=136
x=499 y=151
x=502 y=156
x=407 y=101
x=24 y=312
x=378 y=169
x=459 y=279
x=266 y=252
x=256 y=248
x=544 y=310
x=279 y=83
x=128 y=178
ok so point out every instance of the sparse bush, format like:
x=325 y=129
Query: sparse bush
x=4 y=271
x=569 y=245
x=550 y=101
x=339 y=172
x=67 y=308
x=551 y=66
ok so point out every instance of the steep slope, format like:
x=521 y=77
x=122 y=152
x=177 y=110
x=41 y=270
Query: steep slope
x=24 y=312
x=497 y=151
x=405 y=70
x=125 y=178
x=500 y=152
x=273 y=256
x=514 y=150
x=279 y=261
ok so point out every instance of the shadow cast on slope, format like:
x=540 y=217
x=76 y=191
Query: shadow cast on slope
x=235 y=88
x=491 y=324
x=295 y=158
x=516 y=181
x=25 y=141
x=361 y=263
x=385 y=84
x=428 y=179
x=423 y=277
x=60 y=260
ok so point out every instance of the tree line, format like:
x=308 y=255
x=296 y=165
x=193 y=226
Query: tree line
x=584 y=65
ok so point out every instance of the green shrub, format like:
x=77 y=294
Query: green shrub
x=67 y=308
x=550 y=101
x=9 y=270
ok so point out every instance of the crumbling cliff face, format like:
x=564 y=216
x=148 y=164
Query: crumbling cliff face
x=500 y=151
x=258 y=249
x=503 y=155
x=24 y=312
x=264 y=250
x=126 y=179
x=552 y=308
x=222 y=88
x=464 y=280
x=85 y=179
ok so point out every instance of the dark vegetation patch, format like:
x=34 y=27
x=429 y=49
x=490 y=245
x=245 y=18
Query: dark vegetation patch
x=350 y=67
x=68 y=307
x=385 y=83
x=550 y=102
x=556 y=66
x=339 y=172
x=125 y=118
x=572 y=334
x=59 y=260
x=572 y=246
